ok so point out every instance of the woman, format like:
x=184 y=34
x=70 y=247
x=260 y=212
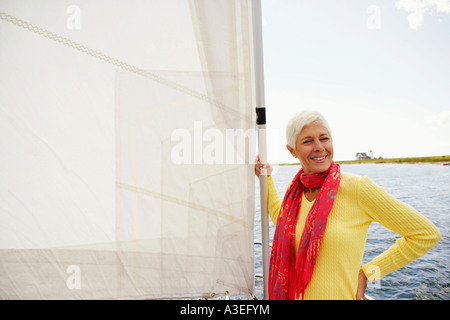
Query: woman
x=322 y=223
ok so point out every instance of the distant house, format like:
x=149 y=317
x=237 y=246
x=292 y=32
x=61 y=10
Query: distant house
x=361 y=156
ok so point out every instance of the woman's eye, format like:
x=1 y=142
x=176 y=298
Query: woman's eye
x=307 y=141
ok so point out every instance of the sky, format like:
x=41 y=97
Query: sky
x=379 y=71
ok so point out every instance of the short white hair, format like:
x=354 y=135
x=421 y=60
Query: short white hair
x=301 y=119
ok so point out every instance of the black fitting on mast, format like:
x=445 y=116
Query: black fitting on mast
x=261 y=116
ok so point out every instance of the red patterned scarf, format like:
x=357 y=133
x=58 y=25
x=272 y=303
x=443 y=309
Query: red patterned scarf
x=289 y=277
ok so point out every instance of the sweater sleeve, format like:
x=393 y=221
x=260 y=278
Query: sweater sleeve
x=274 y=201
x=418 y=233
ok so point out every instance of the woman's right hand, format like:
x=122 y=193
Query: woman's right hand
x=262 y=168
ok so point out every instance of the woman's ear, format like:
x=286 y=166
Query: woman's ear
x=291 y=150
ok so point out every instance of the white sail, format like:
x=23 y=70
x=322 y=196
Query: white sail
x=126 y=149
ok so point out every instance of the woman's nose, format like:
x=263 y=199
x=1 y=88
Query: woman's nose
x=318 y=146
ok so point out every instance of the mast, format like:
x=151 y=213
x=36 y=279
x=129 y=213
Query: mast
x=262 y=148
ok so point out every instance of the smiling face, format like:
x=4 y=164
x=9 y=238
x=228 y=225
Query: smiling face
x=314 y=148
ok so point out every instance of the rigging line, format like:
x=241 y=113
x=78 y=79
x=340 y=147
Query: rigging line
x=180 y=202
x=111 y=60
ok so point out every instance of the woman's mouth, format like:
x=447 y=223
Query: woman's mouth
x=319 y=158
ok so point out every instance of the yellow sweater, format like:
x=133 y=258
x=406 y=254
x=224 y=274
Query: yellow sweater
x=358 y=203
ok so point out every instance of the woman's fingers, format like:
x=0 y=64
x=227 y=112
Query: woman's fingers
x=260 y=168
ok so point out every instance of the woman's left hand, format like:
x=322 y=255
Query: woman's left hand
x=362 y=285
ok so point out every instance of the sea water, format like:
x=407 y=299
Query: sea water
x=426 y=187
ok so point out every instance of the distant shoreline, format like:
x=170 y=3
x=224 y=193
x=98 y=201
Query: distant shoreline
x=412 y=160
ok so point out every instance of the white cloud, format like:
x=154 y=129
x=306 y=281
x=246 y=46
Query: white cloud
x=441 y=5
x=418 y=8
